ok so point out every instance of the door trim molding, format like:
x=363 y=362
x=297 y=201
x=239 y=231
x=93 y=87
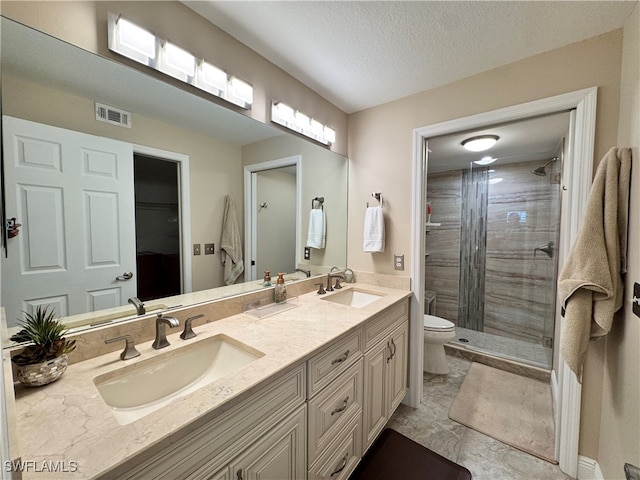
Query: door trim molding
x=250 y=208
x=577 y=182
x=182 y=160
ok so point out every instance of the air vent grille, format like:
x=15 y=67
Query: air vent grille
x=114 y=116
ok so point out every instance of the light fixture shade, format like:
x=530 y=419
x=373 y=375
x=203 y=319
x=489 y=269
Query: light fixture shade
x=330 y=135
x=131 y=41
x=211 y=78
x=303 y=121
x=480 y=143
x=282 y=113
x=240 y=92
x=177 y=62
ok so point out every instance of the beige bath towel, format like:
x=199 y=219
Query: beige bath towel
x=590 y=286
x=231 y=243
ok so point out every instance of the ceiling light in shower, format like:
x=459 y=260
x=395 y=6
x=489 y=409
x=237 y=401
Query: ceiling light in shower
x=480 y=143
x=485 y=161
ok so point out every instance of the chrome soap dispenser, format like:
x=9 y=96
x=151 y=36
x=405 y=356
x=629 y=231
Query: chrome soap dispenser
x=280 y=290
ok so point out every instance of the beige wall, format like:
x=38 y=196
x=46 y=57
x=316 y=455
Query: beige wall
x=84 y=23
x=381 y=153
x=215 y=166
x=620 y=419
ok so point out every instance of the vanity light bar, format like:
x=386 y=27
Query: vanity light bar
x=134 y=42
x=295 y=120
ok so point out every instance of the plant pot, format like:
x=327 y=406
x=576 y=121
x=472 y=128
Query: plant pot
x=43 y=373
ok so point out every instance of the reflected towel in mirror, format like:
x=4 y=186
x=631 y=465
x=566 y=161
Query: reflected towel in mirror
x=231 y=243
x=317 y=229
x=374 y=230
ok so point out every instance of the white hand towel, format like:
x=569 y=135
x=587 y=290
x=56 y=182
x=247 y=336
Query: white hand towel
x=373 y=230
x=317 y=229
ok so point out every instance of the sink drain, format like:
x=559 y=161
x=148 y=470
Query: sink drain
x=463 y=340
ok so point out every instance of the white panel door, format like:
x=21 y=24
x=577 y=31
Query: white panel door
x=73 y=194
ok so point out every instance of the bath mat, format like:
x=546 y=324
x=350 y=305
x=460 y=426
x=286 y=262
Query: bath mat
x=513 y=409
x=394 y=456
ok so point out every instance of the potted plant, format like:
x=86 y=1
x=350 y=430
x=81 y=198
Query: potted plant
x=45 y=359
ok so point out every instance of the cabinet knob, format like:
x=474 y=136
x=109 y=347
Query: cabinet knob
x=239 y=474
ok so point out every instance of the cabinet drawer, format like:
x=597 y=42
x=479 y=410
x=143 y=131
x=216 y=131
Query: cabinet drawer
x=381 y=325
x=332 y=361
x=332 y=408
x=343 y=454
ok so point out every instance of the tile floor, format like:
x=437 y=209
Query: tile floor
x=509 y=348
x=486 y=458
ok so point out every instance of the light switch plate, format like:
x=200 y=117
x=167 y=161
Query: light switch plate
x=209 y=248
x=196 y=249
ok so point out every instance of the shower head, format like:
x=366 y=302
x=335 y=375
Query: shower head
x=540 y=171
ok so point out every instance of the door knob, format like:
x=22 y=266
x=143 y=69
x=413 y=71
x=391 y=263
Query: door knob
x=124 y=276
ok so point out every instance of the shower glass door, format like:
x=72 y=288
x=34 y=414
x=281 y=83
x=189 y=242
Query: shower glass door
x=509 y=231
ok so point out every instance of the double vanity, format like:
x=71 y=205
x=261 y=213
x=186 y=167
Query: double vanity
x=301 y=392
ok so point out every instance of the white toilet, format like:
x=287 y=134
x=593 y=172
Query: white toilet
x=437 y=332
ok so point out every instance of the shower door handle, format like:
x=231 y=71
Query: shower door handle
x=476 y=263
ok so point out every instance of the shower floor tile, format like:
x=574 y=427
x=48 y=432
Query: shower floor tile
x=509 y=348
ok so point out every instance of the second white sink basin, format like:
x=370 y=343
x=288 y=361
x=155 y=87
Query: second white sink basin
x=353 y=298
x=139 y=389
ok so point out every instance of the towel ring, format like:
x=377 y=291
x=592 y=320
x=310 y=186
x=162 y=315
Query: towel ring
x=377 y=196
x=320 y=200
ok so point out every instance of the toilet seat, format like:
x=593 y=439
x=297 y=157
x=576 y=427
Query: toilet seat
x=437 y=324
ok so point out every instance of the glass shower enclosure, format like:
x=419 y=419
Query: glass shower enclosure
x=491 y=260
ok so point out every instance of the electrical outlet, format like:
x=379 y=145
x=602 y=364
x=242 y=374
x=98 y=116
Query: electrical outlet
x=196 y=249
x=307 y=253
x=209 y=248
x=398 y=262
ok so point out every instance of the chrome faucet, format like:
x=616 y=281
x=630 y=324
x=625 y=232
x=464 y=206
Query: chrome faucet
x=161 y=334
x=135 y=301
x=337 y=276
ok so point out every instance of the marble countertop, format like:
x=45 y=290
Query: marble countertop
x=67 y=423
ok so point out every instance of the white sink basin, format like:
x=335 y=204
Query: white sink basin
x=353 y=298
x=139 y=389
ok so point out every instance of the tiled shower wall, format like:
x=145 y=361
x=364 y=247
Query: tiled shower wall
x=442 y=262
x=521 y=215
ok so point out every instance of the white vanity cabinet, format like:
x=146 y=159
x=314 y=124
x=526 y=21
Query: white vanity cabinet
x=265 y=432
x=313 y=421
x=385 y=368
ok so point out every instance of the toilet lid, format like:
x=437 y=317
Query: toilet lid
x=432 y=322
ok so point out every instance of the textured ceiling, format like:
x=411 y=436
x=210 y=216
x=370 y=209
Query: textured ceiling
x=358 y=54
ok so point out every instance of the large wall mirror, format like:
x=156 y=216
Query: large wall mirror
x=188 y=158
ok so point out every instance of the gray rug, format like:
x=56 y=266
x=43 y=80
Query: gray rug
x=513 y=409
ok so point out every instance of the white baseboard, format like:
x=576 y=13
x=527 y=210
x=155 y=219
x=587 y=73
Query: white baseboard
x=588 y=469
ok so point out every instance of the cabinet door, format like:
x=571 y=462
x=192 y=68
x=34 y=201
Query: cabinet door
x=375 y=401
x=397 y=368
x=280 y=455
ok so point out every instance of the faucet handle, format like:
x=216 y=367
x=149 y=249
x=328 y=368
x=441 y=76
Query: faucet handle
x=129 y=348
x=337 y=286
x=320 y=286
x=188 y=332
